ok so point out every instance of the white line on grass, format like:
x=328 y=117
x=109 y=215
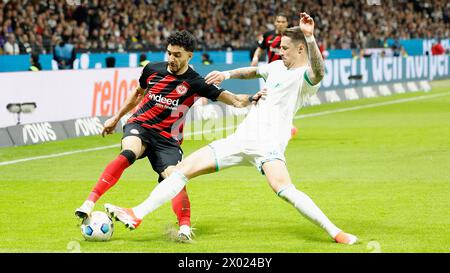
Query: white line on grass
x=323 y=113
x=97 y=148
x=378 y=104
x=57 y=155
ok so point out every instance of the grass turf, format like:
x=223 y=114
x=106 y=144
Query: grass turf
x=381 y=173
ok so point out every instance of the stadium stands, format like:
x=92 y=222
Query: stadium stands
x=123 y=25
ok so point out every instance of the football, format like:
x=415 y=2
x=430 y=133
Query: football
x=97 y=227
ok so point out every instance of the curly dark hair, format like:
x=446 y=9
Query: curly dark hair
x=184 y=39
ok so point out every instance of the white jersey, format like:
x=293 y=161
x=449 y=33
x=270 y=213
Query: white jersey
x=270 y=121
x=265 y=132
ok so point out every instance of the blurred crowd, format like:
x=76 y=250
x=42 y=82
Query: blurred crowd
x=37 y=26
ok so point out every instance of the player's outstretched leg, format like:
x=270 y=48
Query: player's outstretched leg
x=131 y=147
x=198 y=163
x=278 y=177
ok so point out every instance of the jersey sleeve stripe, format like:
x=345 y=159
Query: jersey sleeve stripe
x=305 y=76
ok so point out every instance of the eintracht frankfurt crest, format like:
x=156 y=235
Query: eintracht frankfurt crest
x=181 y=89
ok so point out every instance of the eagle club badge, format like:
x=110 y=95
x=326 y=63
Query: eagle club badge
x=181 y=89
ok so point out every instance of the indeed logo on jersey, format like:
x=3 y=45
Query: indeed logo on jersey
x=168 y=103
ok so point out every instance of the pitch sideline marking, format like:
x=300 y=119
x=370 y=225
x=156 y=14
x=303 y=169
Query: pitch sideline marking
x=323 y=113
x=373 y=105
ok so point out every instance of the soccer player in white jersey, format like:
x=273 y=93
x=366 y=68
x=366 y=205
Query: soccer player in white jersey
x=262 y=137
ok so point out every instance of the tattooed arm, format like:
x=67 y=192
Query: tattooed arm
x=317 y=70
x=217 y=77
x=244 y=73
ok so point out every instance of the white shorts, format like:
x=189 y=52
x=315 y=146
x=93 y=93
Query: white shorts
x=232 y=151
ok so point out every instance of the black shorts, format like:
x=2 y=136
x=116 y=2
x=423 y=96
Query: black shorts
x=161 y=151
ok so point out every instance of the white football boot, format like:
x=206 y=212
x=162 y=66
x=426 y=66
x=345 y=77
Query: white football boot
x=185 y=233
x=85 y=210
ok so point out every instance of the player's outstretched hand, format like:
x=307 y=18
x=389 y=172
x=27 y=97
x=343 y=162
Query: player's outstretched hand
x=109 y=126
x=215 y=77
x=306 y=24
x=260 y=95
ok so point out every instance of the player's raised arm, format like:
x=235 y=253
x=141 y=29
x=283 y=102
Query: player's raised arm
x=258 y=52
x=317 y=70
x=217 y=77
x=131 y=102
x=240 y=101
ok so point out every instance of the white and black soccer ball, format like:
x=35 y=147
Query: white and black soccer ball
x=97 y=227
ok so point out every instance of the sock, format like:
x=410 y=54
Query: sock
x=163 y=192
x=111 y=174
x=182 y=208
x=308 y=209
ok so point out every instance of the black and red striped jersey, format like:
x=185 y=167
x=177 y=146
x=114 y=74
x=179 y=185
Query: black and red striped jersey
x=168 y=97
x=271 y=42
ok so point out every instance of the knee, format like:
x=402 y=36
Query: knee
x=129 y=155
x=168 y=171
x=133 y=144
x=278 y=183
x=135 y=150
x=184 y=167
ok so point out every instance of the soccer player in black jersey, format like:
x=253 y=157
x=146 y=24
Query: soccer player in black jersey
x=271 y=41
x=165 y=93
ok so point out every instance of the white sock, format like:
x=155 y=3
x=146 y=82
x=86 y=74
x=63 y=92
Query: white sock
x=163 y=192
x=308 y=208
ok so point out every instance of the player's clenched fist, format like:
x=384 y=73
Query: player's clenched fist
x=260 y=95
x=306 y=24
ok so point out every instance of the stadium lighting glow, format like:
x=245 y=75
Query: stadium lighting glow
x=18 y=108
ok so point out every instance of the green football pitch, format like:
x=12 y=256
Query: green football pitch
x=379 y=168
